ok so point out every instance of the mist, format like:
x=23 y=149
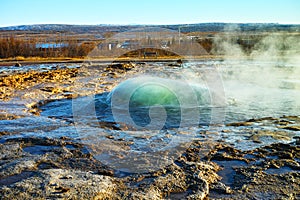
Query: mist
x=264 y=78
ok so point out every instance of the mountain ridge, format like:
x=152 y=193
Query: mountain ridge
x=202 y=27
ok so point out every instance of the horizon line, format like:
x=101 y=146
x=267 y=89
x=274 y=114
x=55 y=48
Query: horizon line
x=146 y=24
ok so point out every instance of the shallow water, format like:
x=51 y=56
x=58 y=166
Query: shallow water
x=5 y=70
x=240 y=91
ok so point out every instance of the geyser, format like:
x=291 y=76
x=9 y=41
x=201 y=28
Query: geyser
x=153 y=94
x=152 y=91
x=154 y=102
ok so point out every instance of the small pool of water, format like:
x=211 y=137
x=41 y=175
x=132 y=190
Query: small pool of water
x=39 y=149
x=281 y=170
x=228 y=172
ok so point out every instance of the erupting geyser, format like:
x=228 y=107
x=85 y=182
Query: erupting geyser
x=144 y=100
x=151 y=91
x=152 y=94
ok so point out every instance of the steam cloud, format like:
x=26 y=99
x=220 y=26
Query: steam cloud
x=267 y=73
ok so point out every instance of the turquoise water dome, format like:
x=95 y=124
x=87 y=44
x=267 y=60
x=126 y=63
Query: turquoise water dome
x=156 y=103
x=151 y=91
x=153 y=94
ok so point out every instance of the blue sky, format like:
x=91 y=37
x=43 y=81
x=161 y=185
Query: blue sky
x=20 y=12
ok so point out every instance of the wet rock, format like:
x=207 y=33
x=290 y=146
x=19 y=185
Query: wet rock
x=191 y=181
x=262 y=119
x=174 y=65
x=59 y=168
x=11 y=83
x=52 y=184
x=283 y=122
x=265 y=186
x=205 y=170
x=179 y=61
x=10 y=151
x=297 y=140
x=240 y=124
x=220 y=187
x=292 y=128
x=140 y=63
x=17 y=166
x=291 y=117
x=225 y=153
x=8 y=116
x=120 y=67
x=18 y=65
x=277 y=135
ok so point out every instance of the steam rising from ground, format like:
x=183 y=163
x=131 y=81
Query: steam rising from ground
x=276 y=46
x=266 y=73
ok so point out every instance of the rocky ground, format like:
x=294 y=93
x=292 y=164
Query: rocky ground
x=43 y=168
x=35 y=167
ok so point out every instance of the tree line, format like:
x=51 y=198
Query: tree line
x=13 y=47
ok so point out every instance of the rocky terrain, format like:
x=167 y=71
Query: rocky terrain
x=41 y=167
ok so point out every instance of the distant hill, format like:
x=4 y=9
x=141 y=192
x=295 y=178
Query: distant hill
x=201 y=27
